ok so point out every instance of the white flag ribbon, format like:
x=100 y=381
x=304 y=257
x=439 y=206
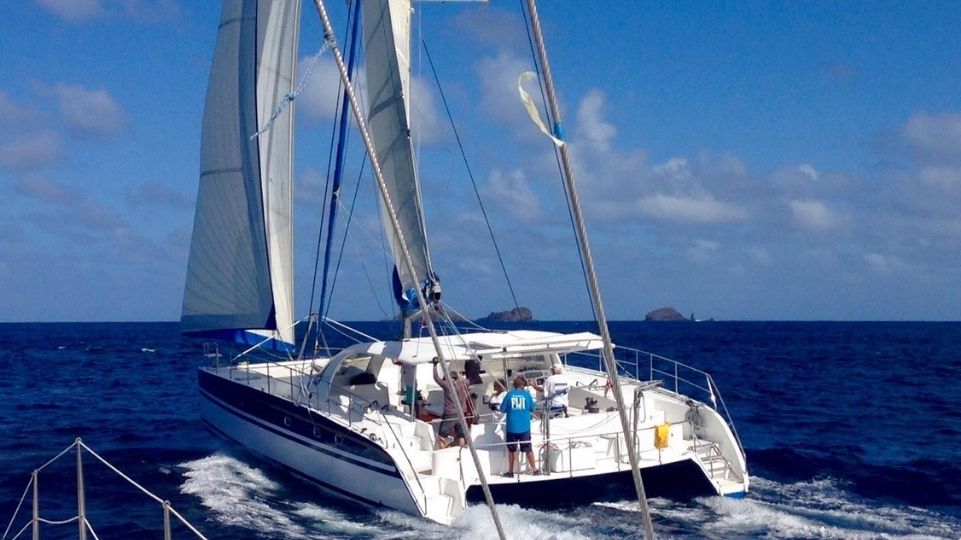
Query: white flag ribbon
x=531 y=108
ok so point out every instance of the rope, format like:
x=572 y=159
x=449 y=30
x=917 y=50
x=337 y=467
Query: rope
x=120 y=474
x=90 y=528
x=29 y=523
x=19 y=504
x=58 y=456
x=407 y=260
x=470 y=174
x=56 y=522
x=289 y=98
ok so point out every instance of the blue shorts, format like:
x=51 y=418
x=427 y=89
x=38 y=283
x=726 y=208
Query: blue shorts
x=519 y=439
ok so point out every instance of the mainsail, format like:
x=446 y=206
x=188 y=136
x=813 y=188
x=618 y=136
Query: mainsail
x=240 y=272
x=387 y=48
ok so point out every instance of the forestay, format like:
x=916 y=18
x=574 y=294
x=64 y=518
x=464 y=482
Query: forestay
x=240 y=271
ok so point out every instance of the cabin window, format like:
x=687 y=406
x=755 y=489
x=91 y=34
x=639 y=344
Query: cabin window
x=352 y=368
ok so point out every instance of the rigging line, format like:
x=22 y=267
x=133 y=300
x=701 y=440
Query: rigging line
x=323 y=212
x=342 y=141
x=343 y=241
x=338 y=113
x=557 y=154
x=470 y=174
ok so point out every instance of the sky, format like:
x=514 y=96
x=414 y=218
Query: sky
x=738 y=161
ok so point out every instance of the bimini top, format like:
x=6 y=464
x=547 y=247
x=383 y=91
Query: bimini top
x=487 y=344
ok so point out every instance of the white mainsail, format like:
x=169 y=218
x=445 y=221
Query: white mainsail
x=240 y=271
x=387 y=52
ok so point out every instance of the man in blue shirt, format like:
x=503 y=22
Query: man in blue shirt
x=518 y=406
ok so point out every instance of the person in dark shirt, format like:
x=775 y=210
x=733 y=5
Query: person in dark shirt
x=472 y=369
x=455 y=390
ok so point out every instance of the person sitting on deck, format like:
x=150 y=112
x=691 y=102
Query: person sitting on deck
x=455 y=389
x=555 y=392
x=518 y=405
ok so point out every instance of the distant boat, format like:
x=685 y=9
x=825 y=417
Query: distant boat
x=362 y=423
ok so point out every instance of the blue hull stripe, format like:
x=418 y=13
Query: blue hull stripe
x=382 y=469
x=297 y=473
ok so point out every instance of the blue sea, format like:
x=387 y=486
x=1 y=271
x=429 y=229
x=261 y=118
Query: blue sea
x=852 y=430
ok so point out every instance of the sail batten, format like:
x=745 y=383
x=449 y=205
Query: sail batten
x=240 y=271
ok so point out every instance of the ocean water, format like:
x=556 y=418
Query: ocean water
x=852 y=430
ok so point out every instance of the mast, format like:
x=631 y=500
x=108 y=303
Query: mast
x=408 y=261
x=339 y=163
x=592 y=283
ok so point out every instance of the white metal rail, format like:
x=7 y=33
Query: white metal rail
x=83 y=524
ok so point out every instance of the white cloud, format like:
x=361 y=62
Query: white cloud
x=91 y=113
x=498 y=76
x=513 y=194
x=689 y=209
x=74 y=10
x=808 y=171
x=936 y=135
x=814 y=215
x=12 y=112
x=592 y=127
x=703 y=250
x=426 y=123
x=884 y=264
x=310 y=187
x=492 y=26
x=318 y=100
x=31 y=152
x=946 y=177
x=43 y=189
x=760 y=256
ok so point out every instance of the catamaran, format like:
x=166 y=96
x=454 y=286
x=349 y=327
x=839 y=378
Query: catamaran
x=363 y=422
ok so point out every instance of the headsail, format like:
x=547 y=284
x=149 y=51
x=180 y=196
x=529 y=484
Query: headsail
x=240 y=272
x=387 y=47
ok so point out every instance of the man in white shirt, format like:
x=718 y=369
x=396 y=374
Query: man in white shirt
x=555 y=392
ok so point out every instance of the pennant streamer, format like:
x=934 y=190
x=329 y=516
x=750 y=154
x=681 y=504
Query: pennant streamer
x=531 y=108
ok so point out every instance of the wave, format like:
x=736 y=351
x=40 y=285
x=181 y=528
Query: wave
x=814 y=509
x=917 y=482
x=238 y=495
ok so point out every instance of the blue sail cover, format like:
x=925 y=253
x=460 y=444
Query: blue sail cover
x=240 y=271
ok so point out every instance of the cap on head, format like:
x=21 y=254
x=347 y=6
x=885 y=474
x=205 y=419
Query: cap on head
x=556 y=369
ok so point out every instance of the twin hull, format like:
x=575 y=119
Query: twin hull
x=322 y=451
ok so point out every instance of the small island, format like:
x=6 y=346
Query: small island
x=518 y=314
x=665 y=314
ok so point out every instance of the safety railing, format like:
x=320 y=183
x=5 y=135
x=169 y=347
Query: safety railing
x=545 y=448
x=682 y=379
x=83 y=524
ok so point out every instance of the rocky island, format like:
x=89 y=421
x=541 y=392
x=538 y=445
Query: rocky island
x=665 y=314
x=518 y=314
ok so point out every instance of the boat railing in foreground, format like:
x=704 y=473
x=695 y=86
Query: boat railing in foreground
x=356 y=409
x=83 y=523
x=677 y=377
